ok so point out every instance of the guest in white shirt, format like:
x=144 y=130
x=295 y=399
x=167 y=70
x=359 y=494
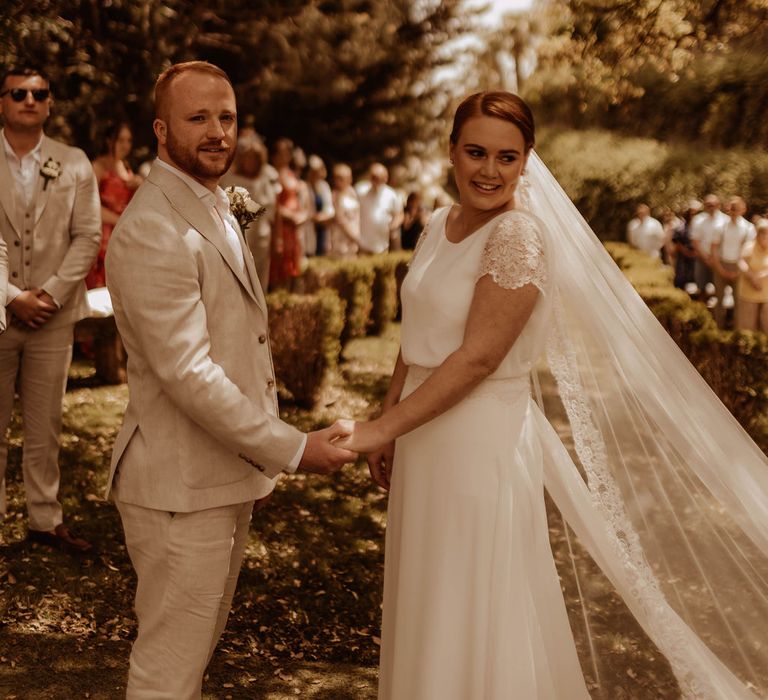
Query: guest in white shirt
x=645 y=233
x=727 y=244
x=704 y=226
x=381 y=213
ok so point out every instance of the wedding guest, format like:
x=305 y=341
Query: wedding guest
x=727 y=244
x=252 y=171
x=684 y=254
x=670 y=222
x=52 y=229
x=287 y=251
x=703 y=228
x=414 y=218
x=752 y=300
x=306 y=229
x=645 y=233
x=381 y=212
x=345 y=225
x=321 y=203
x=117 y=183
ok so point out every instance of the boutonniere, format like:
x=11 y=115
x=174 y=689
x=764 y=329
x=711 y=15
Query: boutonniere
x=243 y=207
x=50 y=171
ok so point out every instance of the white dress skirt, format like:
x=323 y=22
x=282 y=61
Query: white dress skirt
x=473 y=608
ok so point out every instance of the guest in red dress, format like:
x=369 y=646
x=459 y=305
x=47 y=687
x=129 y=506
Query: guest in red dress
x=117 y=183
x=287 y=252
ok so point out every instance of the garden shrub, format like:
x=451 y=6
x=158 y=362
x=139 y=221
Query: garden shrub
x=305 y=333
x=733 y=363
x=353 y=281
x=389 y=271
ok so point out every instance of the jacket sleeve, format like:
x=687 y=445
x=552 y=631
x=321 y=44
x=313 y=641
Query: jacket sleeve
x=85 y=234
x=155 y=284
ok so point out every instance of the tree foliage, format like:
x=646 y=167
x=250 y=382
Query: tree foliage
x=658 y=67
x=350 y=79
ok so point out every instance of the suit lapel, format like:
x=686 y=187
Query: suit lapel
x=42 y=191
x=187 y=204
x=251 y=268
x=10 y=199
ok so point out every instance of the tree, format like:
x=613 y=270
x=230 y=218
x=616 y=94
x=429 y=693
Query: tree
x=350 y=79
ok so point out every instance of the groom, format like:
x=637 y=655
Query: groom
x=201 y=440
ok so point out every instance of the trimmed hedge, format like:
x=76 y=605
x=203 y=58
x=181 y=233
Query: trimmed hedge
x=305 y=333
x=369 y=285
x=733 y=363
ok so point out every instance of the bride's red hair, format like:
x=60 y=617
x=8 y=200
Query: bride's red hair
x=498 y=104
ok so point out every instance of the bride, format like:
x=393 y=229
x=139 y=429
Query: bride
x=662 y=486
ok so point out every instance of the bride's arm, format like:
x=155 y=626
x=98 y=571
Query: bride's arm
x=496 y=318
x=380 y=460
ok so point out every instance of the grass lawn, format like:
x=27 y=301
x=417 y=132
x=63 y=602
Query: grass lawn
x=305 y=621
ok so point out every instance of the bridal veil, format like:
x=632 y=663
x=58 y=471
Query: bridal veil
x=662 y=486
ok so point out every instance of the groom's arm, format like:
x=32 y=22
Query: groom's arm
x=156 y=290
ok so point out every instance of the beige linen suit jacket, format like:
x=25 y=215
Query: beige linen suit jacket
x=53 y=242
x=201 y=428
x=3 y=282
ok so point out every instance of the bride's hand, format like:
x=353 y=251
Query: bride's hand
x=363 y=437
x=380 y=465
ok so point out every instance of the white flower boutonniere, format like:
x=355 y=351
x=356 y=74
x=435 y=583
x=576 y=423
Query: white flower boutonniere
x=243 y=208
x=50 y=171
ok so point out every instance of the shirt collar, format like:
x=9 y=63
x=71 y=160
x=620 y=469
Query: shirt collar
x=200 y=190
x=34 y=153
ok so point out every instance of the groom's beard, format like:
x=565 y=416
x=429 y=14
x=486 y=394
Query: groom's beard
x=189 y=158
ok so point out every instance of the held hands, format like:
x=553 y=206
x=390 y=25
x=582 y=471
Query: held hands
x=371 y=439
x=33 y=308
x=323 y=453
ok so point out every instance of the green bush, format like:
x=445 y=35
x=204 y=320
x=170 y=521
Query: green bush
x=733 y=363
x=305 y=332
x=353 y=281
x=389 y=271
x=369 y=285
x=607 y=174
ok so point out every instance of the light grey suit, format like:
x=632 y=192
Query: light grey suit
x=201 y=437
x=51 y=244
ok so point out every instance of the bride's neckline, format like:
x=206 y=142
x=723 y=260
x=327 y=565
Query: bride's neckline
x=470 y=235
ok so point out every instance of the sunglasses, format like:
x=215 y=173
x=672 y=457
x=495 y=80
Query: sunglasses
x=20 y=94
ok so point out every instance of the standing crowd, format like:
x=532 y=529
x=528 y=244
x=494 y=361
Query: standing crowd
x=719 y=256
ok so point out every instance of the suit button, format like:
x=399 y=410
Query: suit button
x=270 y=383
x=27 y=262
x=27 y=231
x=14 y=274
x=16 y=243
x=262 y=339
x=27 y=215
x=27 y=247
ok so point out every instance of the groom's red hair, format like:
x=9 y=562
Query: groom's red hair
x=165 y=79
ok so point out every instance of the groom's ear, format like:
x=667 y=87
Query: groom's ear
x=161 y=130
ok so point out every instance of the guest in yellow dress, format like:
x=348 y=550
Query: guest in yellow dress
x=752 y=308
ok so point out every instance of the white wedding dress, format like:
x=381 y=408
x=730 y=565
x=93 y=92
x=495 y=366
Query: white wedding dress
x=472 y=600
x=473 y=608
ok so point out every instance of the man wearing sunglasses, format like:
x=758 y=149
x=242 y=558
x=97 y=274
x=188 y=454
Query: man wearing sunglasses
x=50 y=224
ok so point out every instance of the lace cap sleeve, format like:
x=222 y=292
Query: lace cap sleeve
x=514 y=254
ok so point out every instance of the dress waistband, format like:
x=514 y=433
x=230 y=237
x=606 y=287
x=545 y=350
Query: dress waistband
x=502 y=388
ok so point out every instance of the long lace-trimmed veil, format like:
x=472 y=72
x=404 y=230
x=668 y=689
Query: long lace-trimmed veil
x=663 y=487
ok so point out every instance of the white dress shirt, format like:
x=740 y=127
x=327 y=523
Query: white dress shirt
x=704 y=228
x=378 y=208
x=24 y=170
x=732 y=237
x=218 y=204
x=647 y=235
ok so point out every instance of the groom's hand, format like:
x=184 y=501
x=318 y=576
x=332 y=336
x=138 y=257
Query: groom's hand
x=321 y=456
